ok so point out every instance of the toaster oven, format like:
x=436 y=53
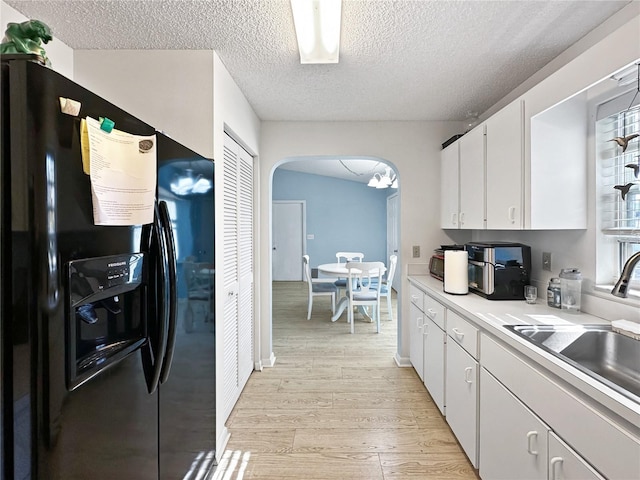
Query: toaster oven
x=436 y=263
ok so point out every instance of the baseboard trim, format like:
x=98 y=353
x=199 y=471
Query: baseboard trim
x=402 y=361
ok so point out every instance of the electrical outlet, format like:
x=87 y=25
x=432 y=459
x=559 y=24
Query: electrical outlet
x=416 y=251
x=546 y=261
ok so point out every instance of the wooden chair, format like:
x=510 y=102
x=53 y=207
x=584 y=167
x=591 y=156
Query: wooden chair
x=318 y=289
x=360 y=291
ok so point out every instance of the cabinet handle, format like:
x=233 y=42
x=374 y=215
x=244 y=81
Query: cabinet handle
x=458 y=332
x=432 y=313
x=467 y=375
x=420 y=322
x=512 y=214
x=414 y=297
x=454 y=218
x=425 y=329
x=530 y=436
x=554 y=462
x=461 y=218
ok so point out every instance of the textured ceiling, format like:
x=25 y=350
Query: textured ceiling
x=399 y=59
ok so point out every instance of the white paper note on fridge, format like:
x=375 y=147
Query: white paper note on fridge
x=123 y=169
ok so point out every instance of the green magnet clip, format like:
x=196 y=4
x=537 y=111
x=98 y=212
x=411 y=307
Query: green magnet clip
x=106 y=124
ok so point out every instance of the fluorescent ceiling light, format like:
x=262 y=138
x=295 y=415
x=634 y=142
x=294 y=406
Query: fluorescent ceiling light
x=317 y=25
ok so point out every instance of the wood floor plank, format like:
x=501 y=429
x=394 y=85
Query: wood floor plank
x=336 y=406
x=265 y=441
x=281 y=400
x=310 y=466
x=437 y=466
x=325 y=418
x=379 y=440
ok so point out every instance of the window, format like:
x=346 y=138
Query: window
x=618 y=169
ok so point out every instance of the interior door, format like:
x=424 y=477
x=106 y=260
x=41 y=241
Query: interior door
x=393 y=232
x=288 y=220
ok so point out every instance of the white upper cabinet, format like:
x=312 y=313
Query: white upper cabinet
x=499 y=189
x=557 y=177
x=449 y=187
x=472 y=179
x=504 y=181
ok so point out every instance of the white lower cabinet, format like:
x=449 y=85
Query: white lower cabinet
x=595 y=439
x=461 y=392
x=513 y=440
x=434 y=361
x=565 y=464
x=416 y=348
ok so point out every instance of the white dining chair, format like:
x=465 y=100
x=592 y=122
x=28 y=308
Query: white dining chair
x=359 y=290
x=200 y=292
x=344 y=257
x=318 y=289
x=385 y=287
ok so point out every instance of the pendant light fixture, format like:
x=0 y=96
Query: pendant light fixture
x=389 y=179
x=317 y=24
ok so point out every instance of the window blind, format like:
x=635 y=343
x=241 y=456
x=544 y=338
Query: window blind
x=619 y=172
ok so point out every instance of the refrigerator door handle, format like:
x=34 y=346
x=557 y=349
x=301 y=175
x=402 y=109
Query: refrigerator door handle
x=153 y=369
x=171 y=311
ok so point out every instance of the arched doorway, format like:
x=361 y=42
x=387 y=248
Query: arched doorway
x=331 y=188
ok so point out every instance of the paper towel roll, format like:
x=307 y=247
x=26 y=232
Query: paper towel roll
x=456 y=274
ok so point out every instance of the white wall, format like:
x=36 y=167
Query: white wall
x=413 y=148
x=60 y=54
x=171 y=90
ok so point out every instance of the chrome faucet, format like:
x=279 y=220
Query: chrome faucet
x=620 y=290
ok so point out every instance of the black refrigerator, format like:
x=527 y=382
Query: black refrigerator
x=107 y=333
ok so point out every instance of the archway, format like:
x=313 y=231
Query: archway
x=297 y=188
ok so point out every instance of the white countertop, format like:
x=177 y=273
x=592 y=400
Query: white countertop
x=491 y=316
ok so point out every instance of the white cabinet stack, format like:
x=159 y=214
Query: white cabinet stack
x=416 y=324
x=462 y=383
x=434 y=341
x=513 y=172
x=463 y=183
x=504 y=174
x=512 y=418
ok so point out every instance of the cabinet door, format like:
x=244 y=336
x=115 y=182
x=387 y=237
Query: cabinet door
x=461 y=392
x=565 y=464
x=434 y=347
x=505 y=182
x=513 y=441
x=416 y=349
x=449 y=186
x=472 y=181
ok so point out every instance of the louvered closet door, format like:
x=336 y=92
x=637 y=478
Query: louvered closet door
x=237 y=325
x=245 y=267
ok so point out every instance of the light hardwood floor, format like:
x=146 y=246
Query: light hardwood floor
x=336 y=406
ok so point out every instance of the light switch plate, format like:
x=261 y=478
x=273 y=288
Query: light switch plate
x=416 y=251
x=546 y=261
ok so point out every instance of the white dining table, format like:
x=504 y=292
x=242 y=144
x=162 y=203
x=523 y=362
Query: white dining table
x=340 y=270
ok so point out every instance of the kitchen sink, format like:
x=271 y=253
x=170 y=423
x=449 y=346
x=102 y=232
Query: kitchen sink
x=598 y=351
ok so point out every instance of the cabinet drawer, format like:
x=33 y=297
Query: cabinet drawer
x=417 y=297
x=565 y=463
x=610 y=449
x=463 y=333
x=435 y=311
